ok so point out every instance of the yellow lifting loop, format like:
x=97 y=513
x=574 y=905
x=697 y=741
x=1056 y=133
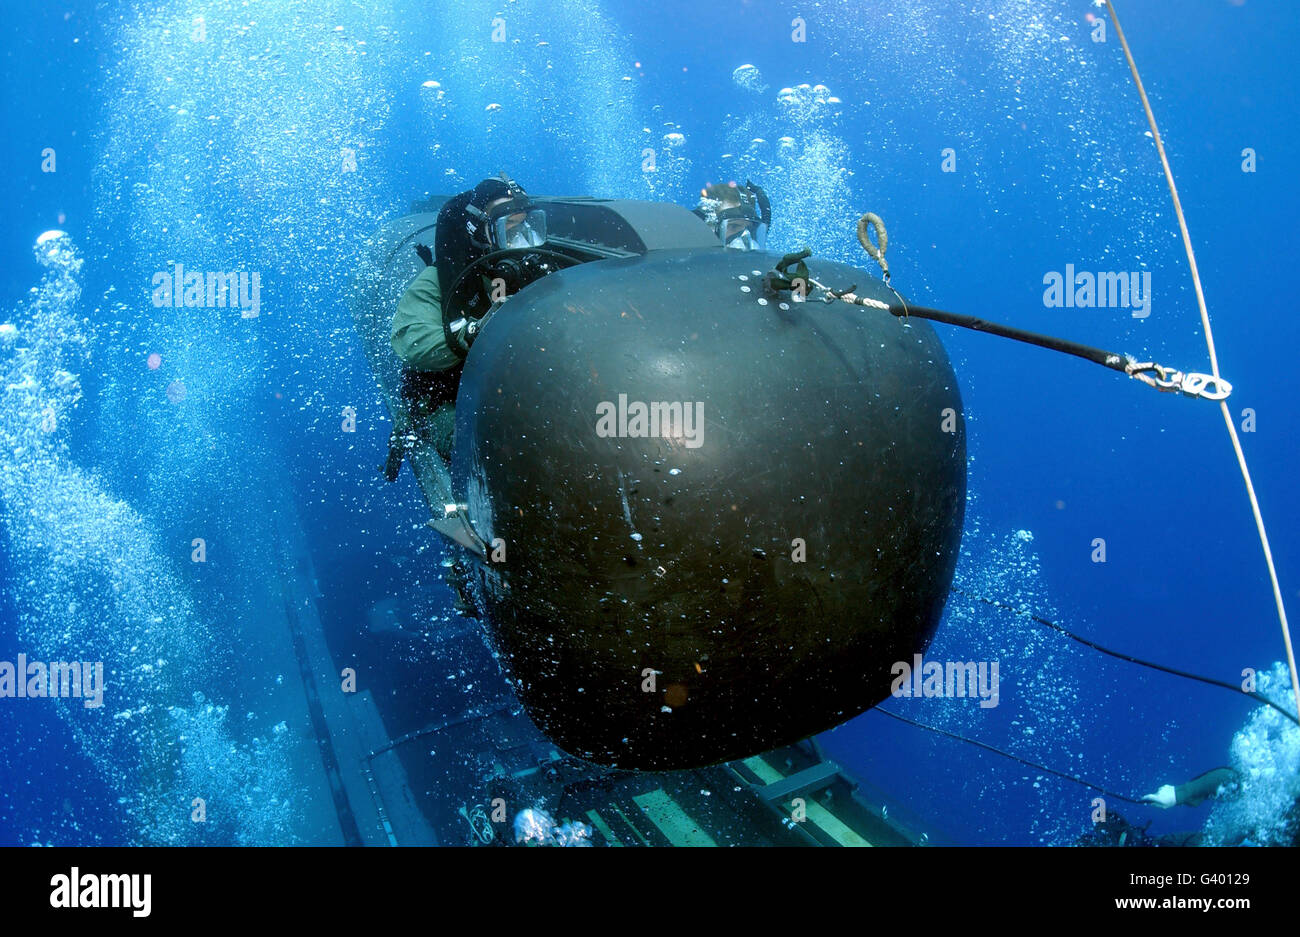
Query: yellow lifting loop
x=873 y=221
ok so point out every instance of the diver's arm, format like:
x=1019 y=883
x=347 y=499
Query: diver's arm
x=418 y=338
x=1218 y=782
x=1199 y=789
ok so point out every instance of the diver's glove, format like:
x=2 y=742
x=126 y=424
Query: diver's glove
x=425 y=254
x=1165 y=797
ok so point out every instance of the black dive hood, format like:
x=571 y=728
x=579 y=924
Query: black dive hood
x=462 y=236
x=703 y=520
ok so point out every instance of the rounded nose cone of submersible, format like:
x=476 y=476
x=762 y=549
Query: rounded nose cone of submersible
x=680 y=594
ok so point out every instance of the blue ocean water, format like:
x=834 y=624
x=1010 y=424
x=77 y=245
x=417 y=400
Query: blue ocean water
x=217 y=136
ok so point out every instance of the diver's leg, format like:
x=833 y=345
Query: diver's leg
x=430 y=399
x=441 y=429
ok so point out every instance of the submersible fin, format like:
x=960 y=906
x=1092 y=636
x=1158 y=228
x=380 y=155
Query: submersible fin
x=669 y=593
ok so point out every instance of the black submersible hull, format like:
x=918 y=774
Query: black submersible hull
x=716 y=517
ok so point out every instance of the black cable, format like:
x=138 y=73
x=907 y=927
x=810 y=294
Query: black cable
x=472 y=715
x=1255 y=695
x=1107 y=359
x=1023 y=761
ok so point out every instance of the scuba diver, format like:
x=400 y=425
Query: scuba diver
x=482 y=240
x=739 y=217
x=1117 y=831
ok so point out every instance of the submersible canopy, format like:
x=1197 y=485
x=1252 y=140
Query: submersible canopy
x=716 y=517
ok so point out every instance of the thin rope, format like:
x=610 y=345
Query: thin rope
x=997 y=751
x=1129 y=658
x=1214 y=360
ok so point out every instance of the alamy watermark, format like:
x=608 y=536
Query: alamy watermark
x=680 y=422
x=81 y=680
x=1087 y=290
x=210 y=289
x=87 y=890
x=951 y=679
